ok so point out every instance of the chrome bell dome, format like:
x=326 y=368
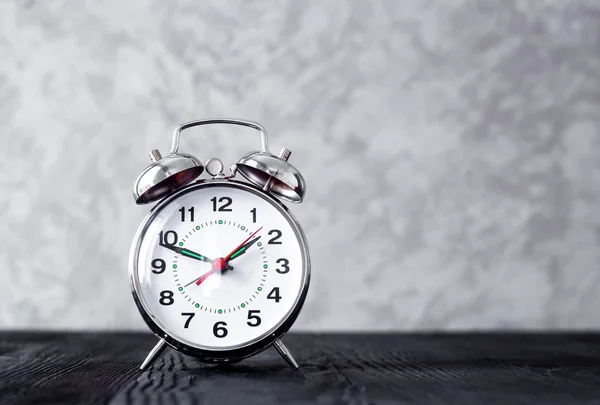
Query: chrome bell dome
x=165 y=175
x=273 y=174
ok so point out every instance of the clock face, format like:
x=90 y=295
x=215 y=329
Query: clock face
x=220 y=266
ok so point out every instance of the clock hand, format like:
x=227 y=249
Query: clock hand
x=221 y=262
x=192 y=254
x=192 y=282
x=241 y=245
x=205 y=275
x=196 y=279
x=243 y=249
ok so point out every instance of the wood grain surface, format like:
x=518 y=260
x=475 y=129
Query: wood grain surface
x=101 y=368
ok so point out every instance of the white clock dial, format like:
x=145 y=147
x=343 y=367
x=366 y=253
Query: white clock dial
x=219 y=267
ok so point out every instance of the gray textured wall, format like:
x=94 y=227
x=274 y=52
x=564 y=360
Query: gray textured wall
x=451 y=150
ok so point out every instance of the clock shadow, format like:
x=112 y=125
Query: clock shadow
x=176 y=377
x=267 y=364
x=266 y=367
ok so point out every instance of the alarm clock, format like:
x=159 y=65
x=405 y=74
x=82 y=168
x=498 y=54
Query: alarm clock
x=219 y=268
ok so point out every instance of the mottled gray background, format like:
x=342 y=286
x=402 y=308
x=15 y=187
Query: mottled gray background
x=451 y=151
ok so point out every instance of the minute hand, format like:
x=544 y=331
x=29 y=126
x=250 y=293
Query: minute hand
x=192 y=254
x=243 y=249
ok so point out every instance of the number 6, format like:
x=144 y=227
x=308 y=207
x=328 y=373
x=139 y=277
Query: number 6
x=220 y=331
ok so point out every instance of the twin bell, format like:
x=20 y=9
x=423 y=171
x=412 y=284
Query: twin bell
x=272 y=173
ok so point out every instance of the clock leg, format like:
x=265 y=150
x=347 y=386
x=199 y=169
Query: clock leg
x=154 y=353
x=285 y=353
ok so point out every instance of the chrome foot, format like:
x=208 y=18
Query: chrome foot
x=285 y=353
x=154 y=353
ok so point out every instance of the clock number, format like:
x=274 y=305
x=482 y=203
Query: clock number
x=253 y=211
x=158 y=266
x=166 y=297
x=253 y=317
x=228 y=201
x=285 y=264
x=190 y=210
x=190 y=315
x=274 y=294
x=219 y=329
x=168 y=238
x=275 y=239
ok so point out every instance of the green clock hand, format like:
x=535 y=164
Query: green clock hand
x=244 y=248
x=191 y=254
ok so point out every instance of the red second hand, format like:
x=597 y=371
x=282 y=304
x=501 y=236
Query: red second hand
x=220 y=263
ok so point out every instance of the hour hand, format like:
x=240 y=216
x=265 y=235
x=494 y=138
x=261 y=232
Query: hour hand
x=191 y=253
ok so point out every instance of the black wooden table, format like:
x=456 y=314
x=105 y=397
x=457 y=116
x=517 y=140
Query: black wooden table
x=64 y=368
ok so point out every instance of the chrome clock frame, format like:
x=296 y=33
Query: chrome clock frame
x=226 y=355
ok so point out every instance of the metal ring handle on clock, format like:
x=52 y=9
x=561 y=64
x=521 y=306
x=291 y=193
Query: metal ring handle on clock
x=230 y=121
